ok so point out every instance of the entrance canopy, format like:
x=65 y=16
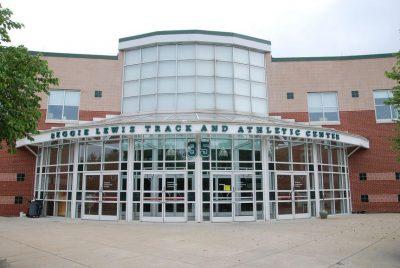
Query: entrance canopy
x=194 y=123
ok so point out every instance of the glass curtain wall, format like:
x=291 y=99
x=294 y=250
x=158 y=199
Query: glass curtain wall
x=323 y=164
x=189 y=77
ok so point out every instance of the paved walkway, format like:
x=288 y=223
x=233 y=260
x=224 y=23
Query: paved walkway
x=343 y=241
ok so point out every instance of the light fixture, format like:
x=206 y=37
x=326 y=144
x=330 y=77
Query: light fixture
x=170 y=152
x=223 y=153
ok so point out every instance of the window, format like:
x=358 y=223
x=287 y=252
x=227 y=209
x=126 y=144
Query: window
x=18 y=200
x=364 y=198
x=290 y=95
x=354 y=94
x=397 y=175
x=362 y=176
x=63 y=105
x=383 y=111
x=98 y=93
x=323 y=107
x=398 y=198
x=20 y=176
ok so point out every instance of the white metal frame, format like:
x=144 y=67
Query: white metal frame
x=100 y=191
x=163 y=217
x=292 y=194
x=233 y=192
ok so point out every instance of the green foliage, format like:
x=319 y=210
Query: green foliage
x=394 y=74
x=22 y=77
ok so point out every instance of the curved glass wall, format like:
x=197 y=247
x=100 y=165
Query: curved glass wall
x=241 y=178
x=194 y=77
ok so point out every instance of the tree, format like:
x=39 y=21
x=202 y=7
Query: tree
x=22 y=77
x=394 y=74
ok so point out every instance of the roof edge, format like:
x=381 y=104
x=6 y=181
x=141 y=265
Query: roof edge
x=221 y=33
x=74 y=55
x=331 y=58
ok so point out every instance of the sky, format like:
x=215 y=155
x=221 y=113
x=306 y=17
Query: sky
x=296 y=28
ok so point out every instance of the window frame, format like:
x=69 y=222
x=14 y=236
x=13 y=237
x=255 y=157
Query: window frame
x=324 y=122
x=51 y=120
x=385 y=120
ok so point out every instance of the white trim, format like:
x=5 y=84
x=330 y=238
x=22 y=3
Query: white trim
x=201 y=38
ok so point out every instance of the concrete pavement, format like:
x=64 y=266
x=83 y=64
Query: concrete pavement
x=370 y=240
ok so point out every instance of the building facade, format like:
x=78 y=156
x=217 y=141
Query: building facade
x=208 y=126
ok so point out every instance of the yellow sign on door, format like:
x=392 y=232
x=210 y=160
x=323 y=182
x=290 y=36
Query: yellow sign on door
x=227 y=188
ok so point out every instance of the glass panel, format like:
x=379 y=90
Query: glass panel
x=224 y=102
x=91 y=208
x=186 y=52
x=149 y=54
x=242 y=87
x=316 y=114
x=242 y=104
x=259 y=106
x=131 y=105
x=257 y=59
x=71 y=112
x=223 y=53
x=131 y=88
x=205 y=84
x=92 y=182
x=380 y=97
x=186 y=67
x=149 y=70
x=224 y=85
x=56 y=97
x=132 y=57
x=314 y=100
x=111 y=151
x=167 y=68
x=167 y=85
x=148 y=103
x=205 y=101
x=205 y=68
x=186 y=84
x=148 y=86
x=240 y=55
x=284 y=208
x=109 y=209
x=186 y=101
x=281 y=151
x=383 y=112
x=224 y=69
x=257 y=74
x=258 y=90
x=205 y=52
x=300 y=182
x=72 y=98
x=110 y=183
x=331 y=114
x=54 y=112
x=93 y=152
x=132 y=72
x=167 y=52
x=241 y=71
x=330 y=99
x=166 y=102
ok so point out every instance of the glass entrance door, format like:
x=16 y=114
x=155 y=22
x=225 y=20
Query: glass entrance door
x=164 y=197
x=232 y=197
x=292 y=195
x=100 y=196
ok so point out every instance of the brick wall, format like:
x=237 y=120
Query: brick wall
x=379 y=162
x=23 y=161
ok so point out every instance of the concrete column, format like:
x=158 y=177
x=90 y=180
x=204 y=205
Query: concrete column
x=198 y=178
x=316 y=178
x=265 y=175
x=75 y=181
x=129 y=180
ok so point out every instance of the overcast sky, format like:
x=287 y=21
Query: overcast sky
x=296 y=28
